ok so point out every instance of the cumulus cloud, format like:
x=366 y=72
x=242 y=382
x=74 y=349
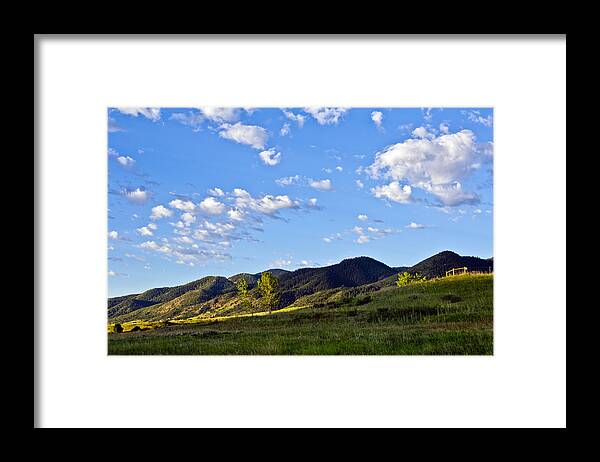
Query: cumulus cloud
x=433 y=164
x=394 y=192
x=452 y=194
x=281 y=262
x=191 y=119
x=251 y=135
x=285 y=130
x=217 y=192
x=144 y=231
x=152 y=113
x=267 y=204
x=362 y=238
x=476 y=117
x=360 y=184
x=220 y=114
x=186 y=206
x=125 y=161
x=321 y=185
x=422 y=132
x=377 y=118
x=138 y=195
x=298 y=118
x=414 y=225
x=332 y=237
x=326 y=115
x=312 y=202
x=444 y=128
x=211 y=206
x=236 y=215
x=362 y=217
x=113 y=234
x=187 y=218
x=286 y=181
x=269 y=157
x=160 y=211
x=370 y=233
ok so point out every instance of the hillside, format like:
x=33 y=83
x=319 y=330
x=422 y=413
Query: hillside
x=446 y=316
x=438 y=264
x=216 y=295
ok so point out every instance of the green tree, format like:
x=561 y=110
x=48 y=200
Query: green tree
x=243 y=293
x=268 y=287
x=406 y=278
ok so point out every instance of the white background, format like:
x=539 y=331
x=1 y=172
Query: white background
x=523 y=384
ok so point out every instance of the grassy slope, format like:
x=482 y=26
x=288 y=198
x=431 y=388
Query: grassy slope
x=444 y=316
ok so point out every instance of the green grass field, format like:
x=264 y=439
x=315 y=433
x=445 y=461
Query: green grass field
x=446 y=316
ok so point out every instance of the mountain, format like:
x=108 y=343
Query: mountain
x=438 y=264
x=218 y=295
x=351 y=272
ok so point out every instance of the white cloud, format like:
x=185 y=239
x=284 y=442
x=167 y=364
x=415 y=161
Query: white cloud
x=377 y=118
x=394 y=191
x=281 y=262
x=267 y=204
x=362 y=217
x=125 y=161
x=298 y=118
x=186 y=206
x=312 y=202
x=333 y=237
x=188 y=218
x=113 y=234
x=211 y=206
x=218 y=192
x=151 y=113
x=360 y=184
x=144 y=231
x=111 y=273
x=153 y=226
x=137 y=196
x=160 y=211
x=220 y=114
x=236 y=215
x=285 y=130
x=251 y=135
x=451 y=194
x=269 y=157
x=326 y=115
x=435 y=165
x=288 y=180
x=414 y=225
x=444 y=128
x=191 y=119
x=321 y=185
x=476 y=117
x=422 y=132
x=113 y=126
x=339 y=168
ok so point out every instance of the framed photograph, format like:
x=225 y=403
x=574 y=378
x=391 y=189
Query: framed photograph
x=300 y=231
x=354 y=222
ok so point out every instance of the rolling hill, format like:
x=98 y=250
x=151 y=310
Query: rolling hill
x=216 y=295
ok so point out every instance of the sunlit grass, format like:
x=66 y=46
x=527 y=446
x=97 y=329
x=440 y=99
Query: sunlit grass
x=452 y=315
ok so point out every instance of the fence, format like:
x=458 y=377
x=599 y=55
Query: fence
x=465 y=270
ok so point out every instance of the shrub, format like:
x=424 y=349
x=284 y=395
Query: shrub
x=406 y=278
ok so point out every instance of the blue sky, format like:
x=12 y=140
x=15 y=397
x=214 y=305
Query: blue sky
x=218 y=191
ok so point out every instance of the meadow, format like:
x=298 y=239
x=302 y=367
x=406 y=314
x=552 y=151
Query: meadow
x=442 y=316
